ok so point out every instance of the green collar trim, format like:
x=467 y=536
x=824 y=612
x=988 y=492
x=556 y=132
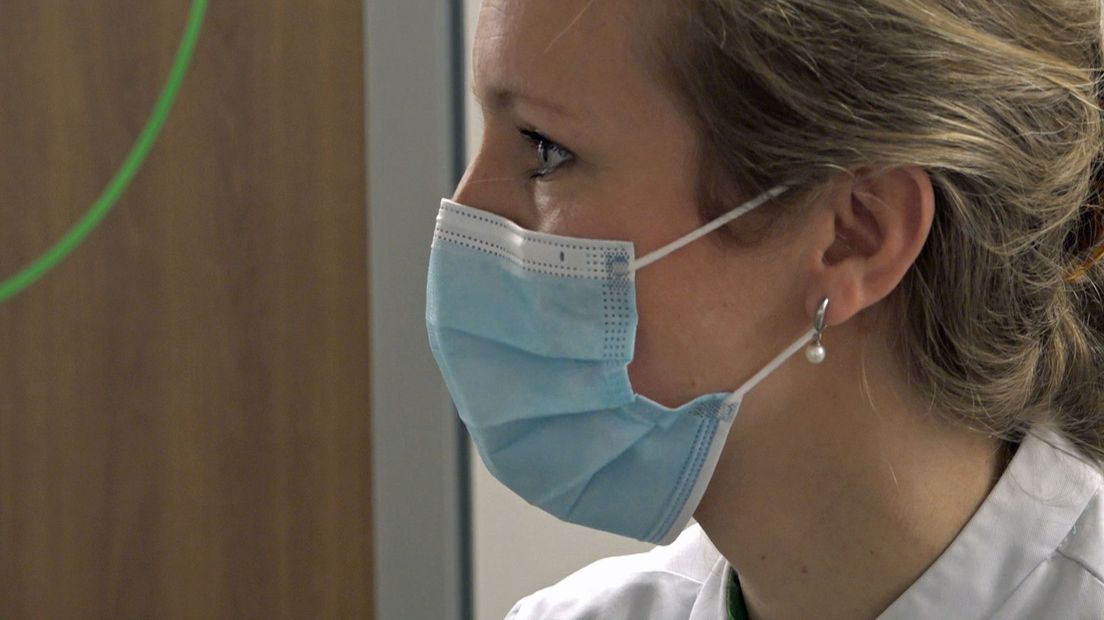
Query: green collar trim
x=736 y=608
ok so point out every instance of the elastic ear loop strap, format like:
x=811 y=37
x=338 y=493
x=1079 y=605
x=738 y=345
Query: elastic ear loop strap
x=686 y=240
x=769 y=368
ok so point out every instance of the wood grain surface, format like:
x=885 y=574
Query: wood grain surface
x=184 y=424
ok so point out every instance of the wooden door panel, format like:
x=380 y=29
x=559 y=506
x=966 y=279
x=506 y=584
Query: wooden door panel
x=184 y=424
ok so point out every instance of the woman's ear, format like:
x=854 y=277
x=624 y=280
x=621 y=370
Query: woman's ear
x=874 y=225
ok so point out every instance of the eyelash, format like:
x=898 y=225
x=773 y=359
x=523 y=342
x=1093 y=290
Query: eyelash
x=545 y=146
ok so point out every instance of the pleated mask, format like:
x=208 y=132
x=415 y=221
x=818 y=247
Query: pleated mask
x=533 y=334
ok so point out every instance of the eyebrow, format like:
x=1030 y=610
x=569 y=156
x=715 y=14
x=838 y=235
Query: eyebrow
x=501 y=97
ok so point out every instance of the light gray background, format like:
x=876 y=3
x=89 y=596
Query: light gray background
x=419 y=454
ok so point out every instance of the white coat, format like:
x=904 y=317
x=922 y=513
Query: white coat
x=1034 y=549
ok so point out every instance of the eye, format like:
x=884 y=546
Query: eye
x=550 y=156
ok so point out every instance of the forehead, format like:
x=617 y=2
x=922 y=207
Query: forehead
x=580 y=53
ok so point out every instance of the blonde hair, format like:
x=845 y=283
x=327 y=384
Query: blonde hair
x=999 y=103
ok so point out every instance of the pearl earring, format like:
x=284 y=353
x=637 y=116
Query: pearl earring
x=815 y=352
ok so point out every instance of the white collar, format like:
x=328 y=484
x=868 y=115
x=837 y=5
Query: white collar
x=1021 y=523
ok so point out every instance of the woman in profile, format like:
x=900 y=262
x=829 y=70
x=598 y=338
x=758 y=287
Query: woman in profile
x=824 y=275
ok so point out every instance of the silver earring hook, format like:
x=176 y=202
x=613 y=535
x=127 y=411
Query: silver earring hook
x=815 y=352
x=821 y=318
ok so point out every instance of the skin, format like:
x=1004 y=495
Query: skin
x=837 y=487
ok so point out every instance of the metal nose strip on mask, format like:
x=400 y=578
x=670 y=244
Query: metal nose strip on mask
x=686 y=240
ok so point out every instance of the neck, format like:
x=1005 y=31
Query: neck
x=832 y=498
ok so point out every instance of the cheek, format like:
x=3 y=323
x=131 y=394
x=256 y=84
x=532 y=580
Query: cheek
x=704 y=330
x=685 y=329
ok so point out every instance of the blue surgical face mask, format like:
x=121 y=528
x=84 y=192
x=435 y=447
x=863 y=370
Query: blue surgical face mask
x=533 y=334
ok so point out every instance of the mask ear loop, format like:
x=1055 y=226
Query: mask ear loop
x=814 y=352
x=771 y=366
x=685 y=240
x=681 y=242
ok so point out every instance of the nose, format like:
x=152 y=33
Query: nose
x=488 y=185
x=466 y=193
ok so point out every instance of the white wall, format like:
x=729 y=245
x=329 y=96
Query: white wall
x=519 y=549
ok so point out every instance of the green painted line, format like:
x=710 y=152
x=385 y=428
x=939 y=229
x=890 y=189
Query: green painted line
x=133 y=163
